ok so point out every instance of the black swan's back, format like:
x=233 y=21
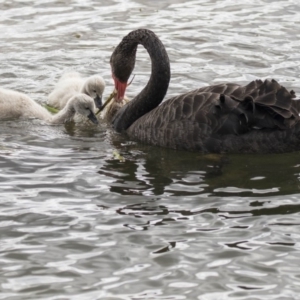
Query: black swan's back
x=258 y=117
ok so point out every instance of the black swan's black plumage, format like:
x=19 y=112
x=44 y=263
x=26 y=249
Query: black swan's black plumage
x=260 y=117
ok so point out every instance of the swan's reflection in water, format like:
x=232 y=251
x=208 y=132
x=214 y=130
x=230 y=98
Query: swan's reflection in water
x=158 y=171
x=166 y=188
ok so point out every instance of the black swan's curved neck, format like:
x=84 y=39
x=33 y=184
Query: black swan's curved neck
x=157 y=86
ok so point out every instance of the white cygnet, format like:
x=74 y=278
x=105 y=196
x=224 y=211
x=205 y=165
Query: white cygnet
x=72 y=83
x=17 y=105
x=112 y=108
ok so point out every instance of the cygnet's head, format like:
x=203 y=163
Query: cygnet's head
x=84 y=105
x=94 y=87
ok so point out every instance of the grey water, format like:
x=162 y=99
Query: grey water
x=87 y=214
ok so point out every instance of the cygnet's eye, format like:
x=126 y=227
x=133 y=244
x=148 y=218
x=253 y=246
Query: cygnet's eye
x=94 y=91
x=86 y=107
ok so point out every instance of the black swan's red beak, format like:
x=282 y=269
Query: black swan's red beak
x=120 y=88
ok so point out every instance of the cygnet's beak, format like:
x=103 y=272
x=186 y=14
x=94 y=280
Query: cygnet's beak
x=98 y=101
x=93 y=118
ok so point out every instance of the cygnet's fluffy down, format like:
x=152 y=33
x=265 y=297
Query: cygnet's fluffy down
x=112 y=108
x=14 y=105
x=71 y=84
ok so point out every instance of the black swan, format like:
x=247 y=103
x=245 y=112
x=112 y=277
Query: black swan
x=261 y=117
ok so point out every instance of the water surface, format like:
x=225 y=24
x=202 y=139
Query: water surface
x=87 y=214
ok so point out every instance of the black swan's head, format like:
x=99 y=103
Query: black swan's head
x=122 y=63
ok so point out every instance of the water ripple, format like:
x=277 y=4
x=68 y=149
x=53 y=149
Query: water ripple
x=77 y=222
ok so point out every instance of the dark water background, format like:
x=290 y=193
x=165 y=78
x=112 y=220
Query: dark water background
x=86 y=214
